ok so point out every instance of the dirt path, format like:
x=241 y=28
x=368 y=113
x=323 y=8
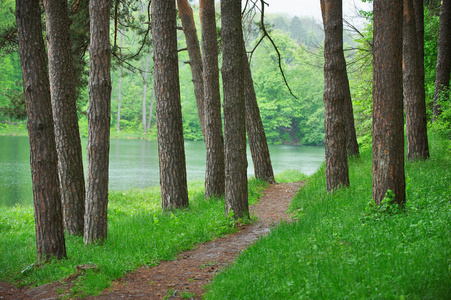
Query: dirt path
x=193 y=269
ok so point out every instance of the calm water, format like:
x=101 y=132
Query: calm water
x=134 y=164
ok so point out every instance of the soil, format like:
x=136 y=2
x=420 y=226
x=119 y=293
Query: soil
x=187 y=275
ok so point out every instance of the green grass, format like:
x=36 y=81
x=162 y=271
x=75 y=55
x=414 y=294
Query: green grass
x=340 y=249
x=139 y=233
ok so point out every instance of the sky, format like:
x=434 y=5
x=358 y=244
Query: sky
x=312 y=8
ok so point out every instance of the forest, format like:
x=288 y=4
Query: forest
x=372 y=222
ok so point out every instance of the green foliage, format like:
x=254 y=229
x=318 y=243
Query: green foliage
x=139 y=234
x=286 y=119
x=332 y=253
x=442 y=125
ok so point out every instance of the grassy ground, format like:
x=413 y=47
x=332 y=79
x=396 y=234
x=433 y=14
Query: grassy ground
x=138 y=234
x=343 y=248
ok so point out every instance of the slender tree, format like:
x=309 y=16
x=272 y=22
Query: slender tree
x=214 y=141
x=195 y=57
x=50 y=241
x=351 y=137
x=119 y=92
x=67 y=134
x=414 y=93
x=99 y=111
x=388 y=125
x=334 y=95
x=254 y=127
x=144 y=105
x=236 y=197
x=171 y=151
x=443 y=68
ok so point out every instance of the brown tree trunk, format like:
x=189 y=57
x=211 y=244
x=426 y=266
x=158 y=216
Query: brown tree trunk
x=388 y=127
x=254 y=127
x=119 y=92
x=214 y=140
x=50 y=241
x=334 y=96
x=144 y=105
x=67 y=134
x=236 y=197
x=419 y=25
x=99 y=110
x=171 y=150
x=351 y=137
x=192 y=44
x=443 y=69
x=414 y=93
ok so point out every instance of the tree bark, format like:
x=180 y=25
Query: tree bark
x=236 y=197
x=351 y=137
x=171 y=151
x=50 y=241
x=195 y=57
x=443 y=68
x=388 y=127
x=334 y=96
x=414 y=93
x=254 y=127
x=67 y=134
x=99 y=112
x=214 y=140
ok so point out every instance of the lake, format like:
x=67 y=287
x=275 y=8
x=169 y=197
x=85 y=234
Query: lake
x=134 y=164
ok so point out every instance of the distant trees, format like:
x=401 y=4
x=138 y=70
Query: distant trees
x=236 y=197
x=171 y=151
x=50 y=241
x=96 y=219
x=388 y=125
x=334 y=96
x=62 y=90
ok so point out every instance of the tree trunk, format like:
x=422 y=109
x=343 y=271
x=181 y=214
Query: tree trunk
x=50 y=241
x=388 y=127
x=214 y=140
x=67 y=134
x=443 y=55
x=119 y=93
x=351 y=137
x=99 y=111
x=146 y=72
x=414 y=93
x=334 y=96
x=171 y=150
x=254 y=127
x=192 y=44
x=236 y=197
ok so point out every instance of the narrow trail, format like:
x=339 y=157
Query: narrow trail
x=193 y=269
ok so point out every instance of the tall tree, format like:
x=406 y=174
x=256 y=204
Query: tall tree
x=388 y=125
x=171 y=150
x=214 y=141
x=195 y=57
x=99 y=114
x=236 y=197
x=254 y=127
x=351 y=137
x=67 y=134
x=414 y=93
x=50 y=241
x=443 y=69
x=119 y=92
x=144 y=105
x=334 y=95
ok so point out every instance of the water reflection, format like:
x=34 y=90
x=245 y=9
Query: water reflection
x=134 y=164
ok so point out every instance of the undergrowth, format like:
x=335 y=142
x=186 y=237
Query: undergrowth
x=139 y=234
x=343 y=247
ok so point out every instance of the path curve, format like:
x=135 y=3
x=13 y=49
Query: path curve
x=195 y=268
